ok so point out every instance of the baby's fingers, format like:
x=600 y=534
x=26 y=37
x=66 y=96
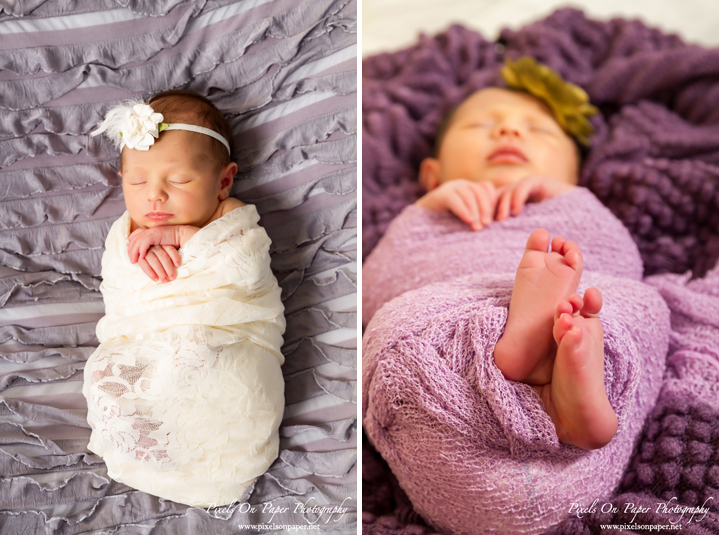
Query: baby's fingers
x=464 y=206
x=147 y=269
x=174 y=254
x=486 y=198
x=521 y=193
x=503 y=206
x=137 y=248
x=161 y=262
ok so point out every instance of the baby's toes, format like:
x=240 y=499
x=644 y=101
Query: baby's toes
x=538 y=241
x=563 y=307
x=577 y=303
x=592 y=303
x=562 y=325
x=573 y=255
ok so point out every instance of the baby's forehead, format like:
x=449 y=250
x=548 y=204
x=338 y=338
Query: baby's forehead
x=493 y=99
x=173 y=149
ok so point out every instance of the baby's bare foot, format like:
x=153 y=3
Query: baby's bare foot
x=526 y=350
x=576 y=399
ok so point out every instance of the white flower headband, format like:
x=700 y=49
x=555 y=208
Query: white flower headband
x=135 y=125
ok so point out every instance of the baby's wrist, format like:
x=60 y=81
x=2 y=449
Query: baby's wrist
x=184 y=233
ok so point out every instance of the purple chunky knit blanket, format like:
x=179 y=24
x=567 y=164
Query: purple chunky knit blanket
x=653 y=163
x=477 y=453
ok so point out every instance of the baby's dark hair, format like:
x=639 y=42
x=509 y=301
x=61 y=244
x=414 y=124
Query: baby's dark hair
x=183 y=106
x=442 y=129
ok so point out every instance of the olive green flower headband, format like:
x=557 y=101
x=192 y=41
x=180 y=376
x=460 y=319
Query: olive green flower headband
x=569 y=102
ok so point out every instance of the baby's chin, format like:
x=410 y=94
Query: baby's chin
x=145 y=223
x=506 y=176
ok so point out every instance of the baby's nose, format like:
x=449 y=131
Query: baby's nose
x=156 y=193
x=509 y=129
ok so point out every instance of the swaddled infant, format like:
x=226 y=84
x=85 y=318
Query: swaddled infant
x=185 y=393
x=491 y=387
x=498 y=150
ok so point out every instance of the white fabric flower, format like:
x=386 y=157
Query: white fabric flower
x=141 y=127
x=133 y=124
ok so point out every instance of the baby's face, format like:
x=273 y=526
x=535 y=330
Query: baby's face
x=502 y=136
x=172 y=183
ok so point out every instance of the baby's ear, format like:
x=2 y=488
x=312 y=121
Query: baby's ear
x=227 y=177
x=429 y=173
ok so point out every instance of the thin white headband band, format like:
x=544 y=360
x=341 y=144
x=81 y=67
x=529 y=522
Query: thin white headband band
x=136 y=125
x=200 y=130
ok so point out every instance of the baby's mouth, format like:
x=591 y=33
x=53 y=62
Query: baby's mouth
x=507 y=155
x=158 y=216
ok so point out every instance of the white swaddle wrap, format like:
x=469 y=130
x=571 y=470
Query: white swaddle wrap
x=185 y=393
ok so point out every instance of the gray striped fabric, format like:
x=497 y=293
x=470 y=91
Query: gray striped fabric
x=284 y=73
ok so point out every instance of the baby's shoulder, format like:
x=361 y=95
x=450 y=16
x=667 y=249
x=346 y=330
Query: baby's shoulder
x=228 y=205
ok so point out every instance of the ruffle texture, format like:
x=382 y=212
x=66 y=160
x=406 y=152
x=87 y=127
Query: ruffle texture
x=284 y=73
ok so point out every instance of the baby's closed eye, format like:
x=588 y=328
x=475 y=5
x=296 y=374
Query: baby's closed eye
x=487 y=123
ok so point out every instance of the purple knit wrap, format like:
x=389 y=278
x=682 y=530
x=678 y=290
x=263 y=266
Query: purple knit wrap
x=477 y=453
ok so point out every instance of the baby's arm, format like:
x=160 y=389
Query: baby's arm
x=155 y=249
x=171 y=235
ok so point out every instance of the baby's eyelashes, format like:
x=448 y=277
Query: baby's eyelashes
x=542 y=129
x=481 y=124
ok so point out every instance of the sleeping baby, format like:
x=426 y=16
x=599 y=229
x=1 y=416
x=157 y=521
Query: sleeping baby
x=185 y=392
x=506 y=372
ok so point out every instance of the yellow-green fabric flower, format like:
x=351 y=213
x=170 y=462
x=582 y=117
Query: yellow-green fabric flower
x=569 y=102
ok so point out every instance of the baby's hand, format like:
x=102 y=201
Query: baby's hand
x=534 y=188
x=142 y=239
x=155 y=251
x=160 y=262
x=472 y=202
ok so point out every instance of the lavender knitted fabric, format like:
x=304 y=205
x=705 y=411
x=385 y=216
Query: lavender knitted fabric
x=422 y=246
x=474 y=452
x=677 y=457
x=653 y=162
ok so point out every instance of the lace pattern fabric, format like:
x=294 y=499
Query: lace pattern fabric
x=185 y=392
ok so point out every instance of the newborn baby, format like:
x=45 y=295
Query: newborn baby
x=497 y=150
x=499 y=384
x=185 y=392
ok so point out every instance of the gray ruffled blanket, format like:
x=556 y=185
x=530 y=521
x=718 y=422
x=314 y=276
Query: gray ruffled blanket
x=653 y=163
x=284 y=74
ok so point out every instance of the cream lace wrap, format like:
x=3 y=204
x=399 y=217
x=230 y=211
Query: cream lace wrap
x=185 y=393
